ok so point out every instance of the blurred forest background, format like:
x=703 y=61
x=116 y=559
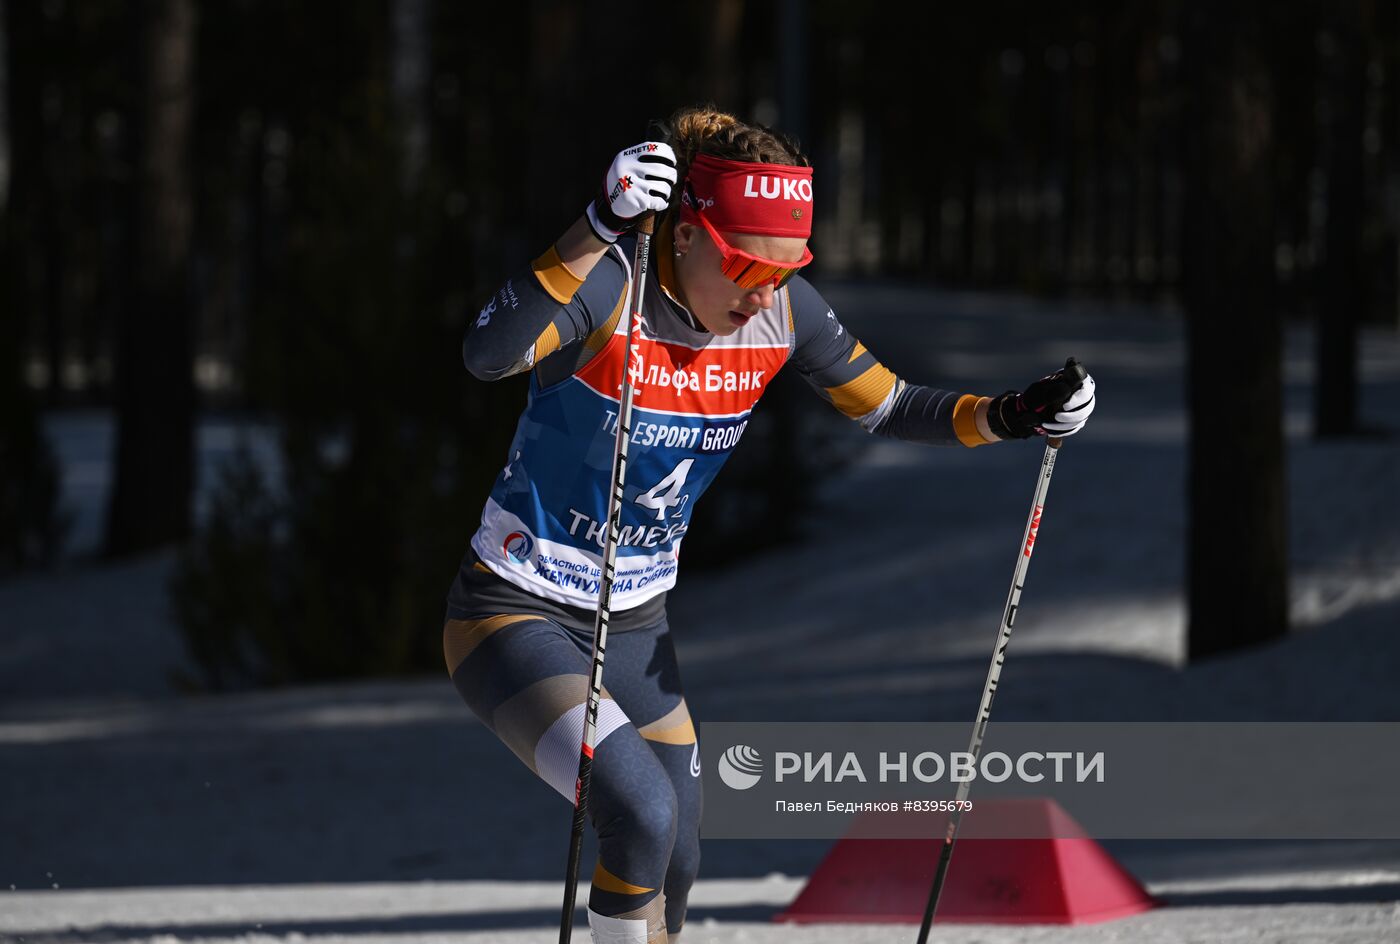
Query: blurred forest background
x=292 y=211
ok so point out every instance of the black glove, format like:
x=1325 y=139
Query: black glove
x=1055 y=405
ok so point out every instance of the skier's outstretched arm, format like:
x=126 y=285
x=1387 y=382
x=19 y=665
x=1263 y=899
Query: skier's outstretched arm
x=848 y=376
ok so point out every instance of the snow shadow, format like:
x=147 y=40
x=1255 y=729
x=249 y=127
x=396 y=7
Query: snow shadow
x=460 y=923
x=396 y=782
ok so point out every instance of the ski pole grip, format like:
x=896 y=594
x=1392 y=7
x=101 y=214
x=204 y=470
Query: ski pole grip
x=1075 y=374
x=647 y=226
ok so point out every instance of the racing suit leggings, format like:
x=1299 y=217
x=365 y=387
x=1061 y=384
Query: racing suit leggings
x=526 y=678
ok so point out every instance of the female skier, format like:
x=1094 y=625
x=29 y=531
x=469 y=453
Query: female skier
x=725 y=307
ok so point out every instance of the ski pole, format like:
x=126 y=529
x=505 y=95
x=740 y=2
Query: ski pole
x=989 y=690
x=600 y=624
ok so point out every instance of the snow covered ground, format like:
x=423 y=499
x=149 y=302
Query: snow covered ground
x=383 y=813
x=722 y=912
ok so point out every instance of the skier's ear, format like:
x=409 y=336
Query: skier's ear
x=684 y=236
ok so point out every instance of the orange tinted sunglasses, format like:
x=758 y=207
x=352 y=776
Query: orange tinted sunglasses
x=748 y=271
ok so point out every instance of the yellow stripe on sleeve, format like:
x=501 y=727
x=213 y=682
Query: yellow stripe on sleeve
x=547 y=343
x=965 y=420
x=858 y=397
x=555 y=277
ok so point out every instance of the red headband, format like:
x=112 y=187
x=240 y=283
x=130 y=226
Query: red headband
x=749 y=197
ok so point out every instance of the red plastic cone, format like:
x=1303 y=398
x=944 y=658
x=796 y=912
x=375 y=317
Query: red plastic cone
x=1053 y=880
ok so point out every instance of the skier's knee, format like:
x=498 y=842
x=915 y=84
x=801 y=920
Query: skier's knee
x=650 y=821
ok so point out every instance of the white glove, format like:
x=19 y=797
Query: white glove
x=1071 y=415
x=638 y=182
x=1057 y=404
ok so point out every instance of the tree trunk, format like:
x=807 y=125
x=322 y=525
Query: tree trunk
x=721 y=54
x=554 y=62
x=1237 y=555
x=150 y=500
x=410 y=65
x=4 y=111
x=793 y=79
x=1343 y=295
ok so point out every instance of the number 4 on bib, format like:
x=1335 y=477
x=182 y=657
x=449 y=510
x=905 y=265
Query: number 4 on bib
x=666 y=494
